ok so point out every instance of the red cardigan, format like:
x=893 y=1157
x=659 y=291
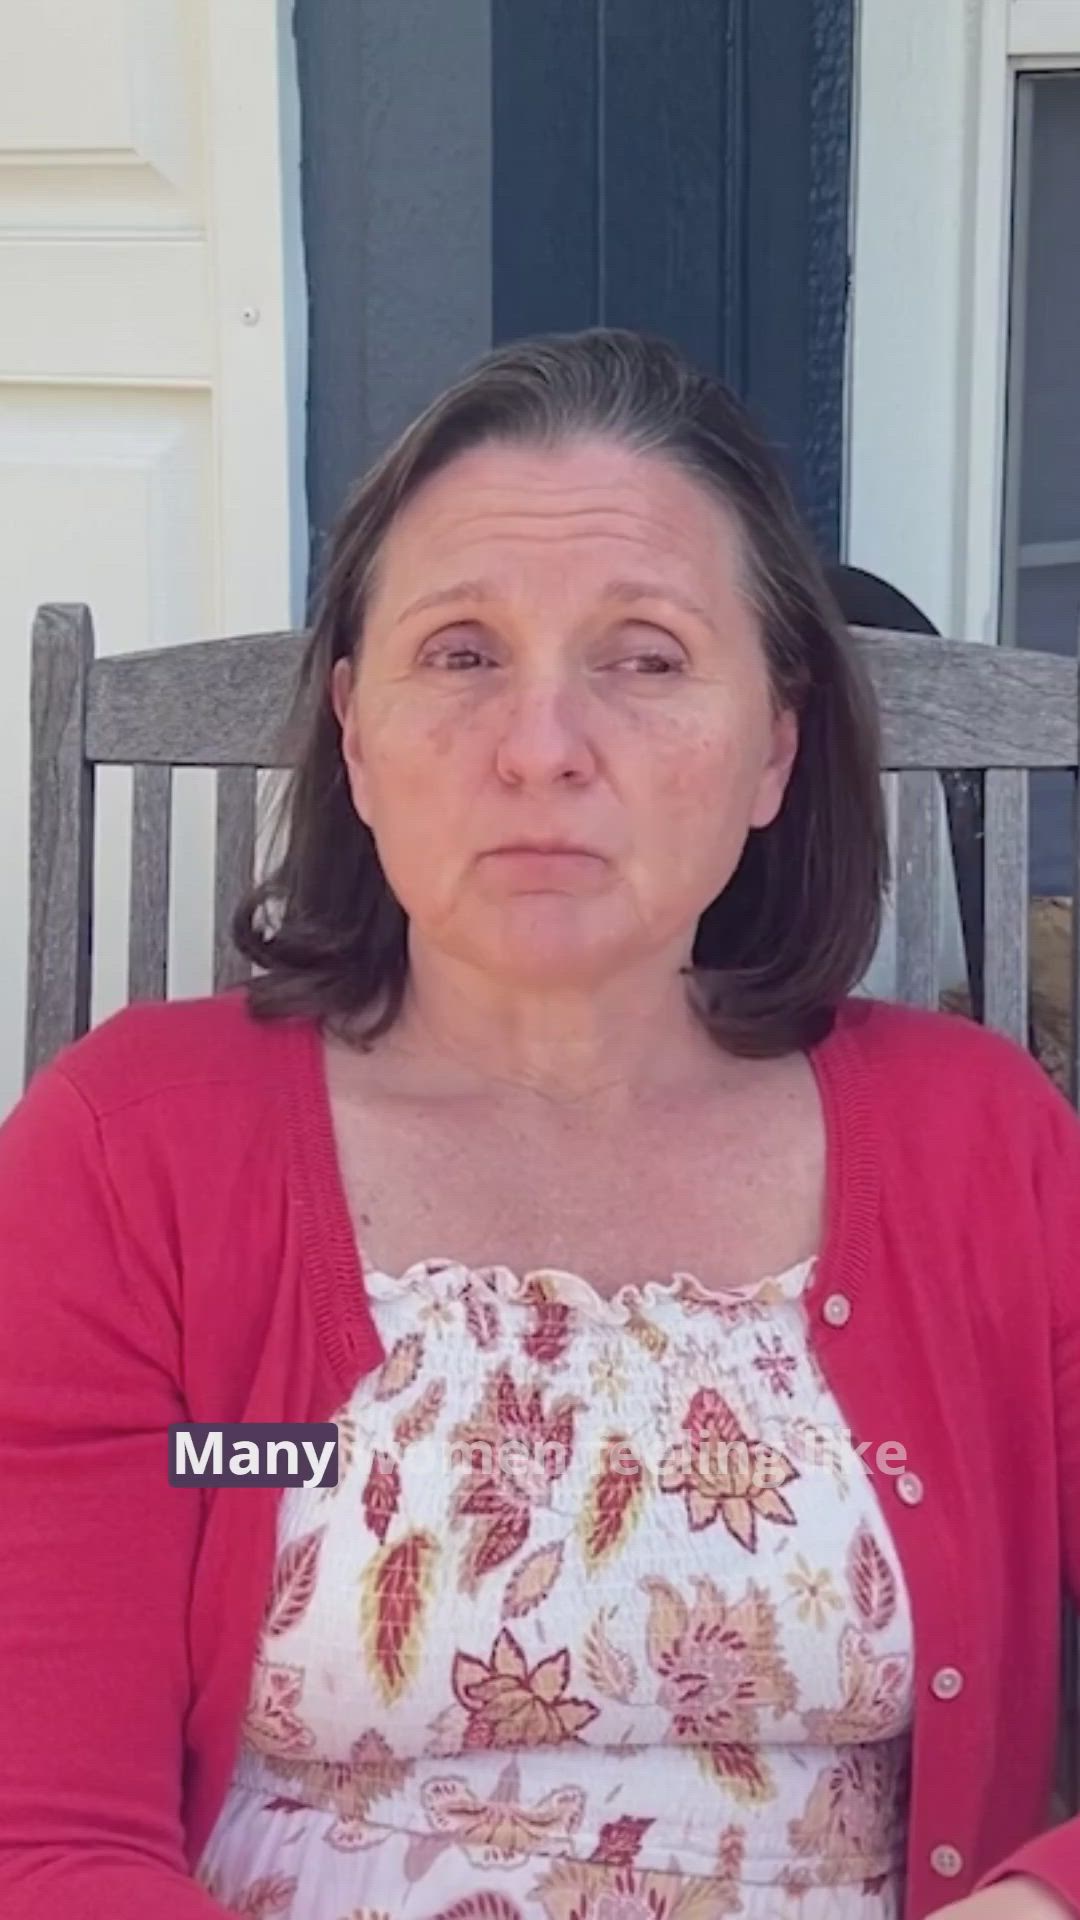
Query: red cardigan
x=177 y=1246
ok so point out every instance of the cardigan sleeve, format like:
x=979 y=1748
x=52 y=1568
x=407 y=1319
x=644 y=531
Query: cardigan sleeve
x=98 y=1549
x=1053 y=1857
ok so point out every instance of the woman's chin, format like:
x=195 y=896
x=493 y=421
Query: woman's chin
x=554 y=957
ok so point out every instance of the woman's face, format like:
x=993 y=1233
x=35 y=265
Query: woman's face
x=559 y=648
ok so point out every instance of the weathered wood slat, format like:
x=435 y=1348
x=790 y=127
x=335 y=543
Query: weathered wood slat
x=957 y=704
x=234 y=865
x=210 y=703
x=1006 y=924
x=943 y=703
x=61 y=834
x=965 y=800
x=917 y=890
x=148 y=923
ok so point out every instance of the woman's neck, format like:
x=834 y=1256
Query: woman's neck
x=595 y=1051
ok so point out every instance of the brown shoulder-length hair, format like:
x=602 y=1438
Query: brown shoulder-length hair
x=796 y=926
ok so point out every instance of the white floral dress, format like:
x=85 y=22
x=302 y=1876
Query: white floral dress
x=601 y=1622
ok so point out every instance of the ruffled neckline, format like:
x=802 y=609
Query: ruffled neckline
x=438 y=1276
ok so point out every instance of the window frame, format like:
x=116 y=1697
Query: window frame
x=933 y=261
x=1045 y=30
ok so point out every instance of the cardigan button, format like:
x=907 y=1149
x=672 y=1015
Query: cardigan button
x=947 y=1861
x=946 y=1683
x=909 y=1489
x=837 y=1310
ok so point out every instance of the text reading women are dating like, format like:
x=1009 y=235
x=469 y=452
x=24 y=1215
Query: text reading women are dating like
x=706 y=1464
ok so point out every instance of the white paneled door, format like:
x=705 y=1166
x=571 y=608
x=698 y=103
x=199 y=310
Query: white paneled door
x=151 y=361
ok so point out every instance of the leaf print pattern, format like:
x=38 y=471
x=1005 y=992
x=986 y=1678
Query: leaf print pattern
x=870 y=1579
x=396 y=1589
x=501 y=1831
x=613 y=1502
x=271 y=1724
x=401 y=1366
x=516 y=1450
x=351 y=1787
x=733 y=1309
x=294 y=1582
x=743 y=1770
x=547 y=1338
x=719 y=1663
x=817 y=1447
x=730 y=1851
x=532 y=1581
x=619 y=1841
x=579 y=1890
x=511 y=1704
x=647 y=1334
x=497 y=1544
x=481 y=1318
x=381 y=1494
x=846 y=1815
x=795 y=1882
x=873 y=1688
x=608 y=1668
x=270 y=1894
x=349 y=1835
x=721 y=1472
x=421 y=1854
x=526 y=1663
x=422 y=1417
x=480 y=1906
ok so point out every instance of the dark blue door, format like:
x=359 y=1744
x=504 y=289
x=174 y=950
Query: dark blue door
x=474 y=170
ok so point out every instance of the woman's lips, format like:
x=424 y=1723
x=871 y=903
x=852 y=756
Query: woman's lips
x=548 y=864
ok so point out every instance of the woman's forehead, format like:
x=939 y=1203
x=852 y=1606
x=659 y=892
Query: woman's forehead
x=579 y=476
x=607 y=509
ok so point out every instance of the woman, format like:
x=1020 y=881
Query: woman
x=702 y=1336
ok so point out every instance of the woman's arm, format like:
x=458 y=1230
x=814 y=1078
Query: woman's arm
x=1017 y=1897
x=96 y=1550
x=1042 y=1880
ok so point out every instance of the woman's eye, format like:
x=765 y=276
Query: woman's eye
x=632 y=649
x=463 y=658
x=655 y=664
x=450 y=656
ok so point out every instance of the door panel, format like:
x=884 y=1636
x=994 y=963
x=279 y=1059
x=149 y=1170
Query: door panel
x=681 y=168
x=144 y=420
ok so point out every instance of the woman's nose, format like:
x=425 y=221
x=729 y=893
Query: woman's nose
x=543 y=734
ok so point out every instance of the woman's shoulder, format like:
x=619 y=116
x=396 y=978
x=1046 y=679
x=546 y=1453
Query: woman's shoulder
x=183 y=1050
x=944 y=1062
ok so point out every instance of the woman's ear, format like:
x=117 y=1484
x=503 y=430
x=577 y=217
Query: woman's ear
x=776 y=773
x=344 y=705
x=340 y=690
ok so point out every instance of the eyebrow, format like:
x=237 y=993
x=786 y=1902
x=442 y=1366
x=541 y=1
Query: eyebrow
x=626 y=592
